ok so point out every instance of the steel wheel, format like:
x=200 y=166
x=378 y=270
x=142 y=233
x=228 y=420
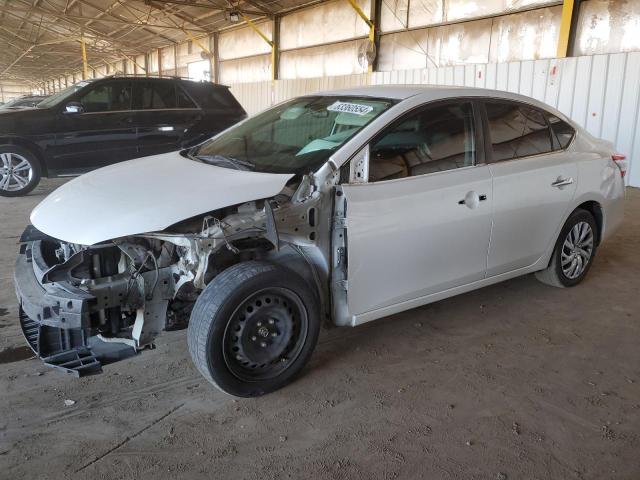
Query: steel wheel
x=265 y=334
x=16 y=172
x=253 y=328
x=577 y=250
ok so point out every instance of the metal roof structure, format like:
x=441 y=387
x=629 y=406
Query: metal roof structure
x=43 y=37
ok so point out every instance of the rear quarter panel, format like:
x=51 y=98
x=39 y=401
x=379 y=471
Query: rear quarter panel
x=599 y=180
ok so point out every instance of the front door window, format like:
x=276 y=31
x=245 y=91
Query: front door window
x=107 y=97
x=434 y=139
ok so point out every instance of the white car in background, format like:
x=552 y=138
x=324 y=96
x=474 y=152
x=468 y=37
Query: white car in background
x=344 y=206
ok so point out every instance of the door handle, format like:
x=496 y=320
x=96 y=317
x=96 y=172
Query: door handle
x=562 y=182
x=472 y=199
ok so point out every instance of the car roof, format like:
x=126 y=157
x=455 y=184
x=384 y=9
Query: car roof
x=395 y=92
x=402 y=92
x=155 y=78
x=438 y=92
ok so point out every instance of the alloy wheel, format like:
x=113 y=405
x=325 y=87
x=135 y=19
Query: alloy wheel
x=577 y=250
x=16 y=172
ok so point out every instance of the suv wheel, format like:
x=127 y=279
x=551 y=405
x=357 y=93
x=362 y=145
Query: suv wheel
x=573 y=253
x=19 y=171
x=253 y=328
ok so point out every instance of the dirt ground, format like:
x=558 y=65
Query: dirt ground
x=514 y=381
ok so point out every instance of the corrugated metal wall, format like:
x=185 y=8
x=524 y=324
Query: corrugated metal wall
x=600 y=92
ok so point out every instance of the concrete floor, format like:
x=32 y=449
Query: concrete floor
x=518 y=380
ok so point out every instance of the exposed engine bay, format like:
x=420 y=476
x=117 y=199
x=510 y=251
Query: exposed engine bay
x=85 y=306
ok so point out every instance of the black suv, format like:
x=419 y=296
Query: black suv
x=99 y=122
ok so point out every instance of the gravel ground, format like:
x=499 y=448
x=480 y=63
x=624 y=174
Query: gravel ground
x=513 y=381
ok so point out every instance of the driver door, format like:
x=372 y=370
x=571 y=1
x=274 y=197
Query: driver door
x=102 y=133
x=421 y=223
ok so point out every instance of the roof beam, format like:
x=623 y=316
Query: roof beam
x=123 y=20
x=262 y=8
x=26 y=52
x=169 y=12
x=68 y=31
x=192 y=3
x=90 y=20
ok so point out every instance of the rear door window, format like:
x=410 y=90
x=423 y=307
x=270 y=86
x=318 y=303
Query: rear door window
x=183 y=99
x=155 y=96
x=517 y=130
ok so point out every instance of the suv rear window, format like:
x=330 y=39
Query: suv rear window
x=210 y=96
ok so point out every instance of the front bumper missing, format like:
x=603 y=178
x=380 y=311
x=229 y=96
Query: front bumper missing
x=55 y=318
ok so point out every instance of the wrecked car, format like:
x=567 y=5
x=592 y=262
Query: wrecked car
x=340 y=207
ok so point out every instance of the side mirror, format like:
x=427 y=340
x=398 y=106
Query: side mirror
x=73 y=107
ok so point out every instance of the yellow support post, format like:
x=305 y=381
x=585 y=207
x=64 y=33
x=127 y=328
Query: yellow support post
x=85 y=67
x=565 y=28
x=372 y=28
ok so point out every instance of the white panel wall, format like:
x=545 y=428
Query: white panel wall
x=10 y=89
x=599 y=92
x=325 y=23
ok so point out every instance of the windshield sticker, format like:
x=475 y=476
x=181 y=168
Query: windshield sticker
x=354 y=108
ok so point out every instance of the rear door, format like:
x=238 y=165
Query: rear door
x=164 y=116
x=421 y=223
x=534 y=181
x=101 y=134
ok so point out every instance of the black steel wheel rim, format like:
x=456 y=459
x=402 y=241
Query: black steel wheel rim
x=265 y=334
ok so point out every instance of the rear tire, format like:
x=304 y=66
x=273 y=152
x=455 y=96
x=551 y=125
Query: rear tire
x=19 y=171
x=253 y=328
x=574 y=251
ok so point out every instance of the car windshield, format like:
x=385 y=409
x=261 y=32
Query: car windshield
x=62 y=95
x=295 y=137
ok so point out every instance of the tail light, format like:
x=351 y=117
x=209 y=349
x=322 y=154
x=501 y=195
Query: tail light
x=621 y=162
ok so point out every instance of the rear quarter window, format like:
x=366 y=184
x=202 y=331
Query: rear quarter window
x=562 y=132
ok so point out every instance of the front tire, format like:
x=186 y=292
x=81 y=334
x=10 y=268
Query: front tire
x=574 y=251
x=253 y=328
x=19 y=171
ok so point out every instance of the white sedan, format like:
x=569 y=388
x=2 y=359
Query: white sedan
x=345 y=206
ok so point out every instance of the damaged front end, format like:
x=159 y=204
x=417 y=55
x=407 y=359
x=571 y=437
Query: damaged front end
x=82 y=307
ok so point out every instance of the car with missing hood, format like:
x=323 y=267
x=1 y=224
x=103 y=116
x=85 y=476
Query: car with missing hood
x=95 y=123
x=340 y=207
